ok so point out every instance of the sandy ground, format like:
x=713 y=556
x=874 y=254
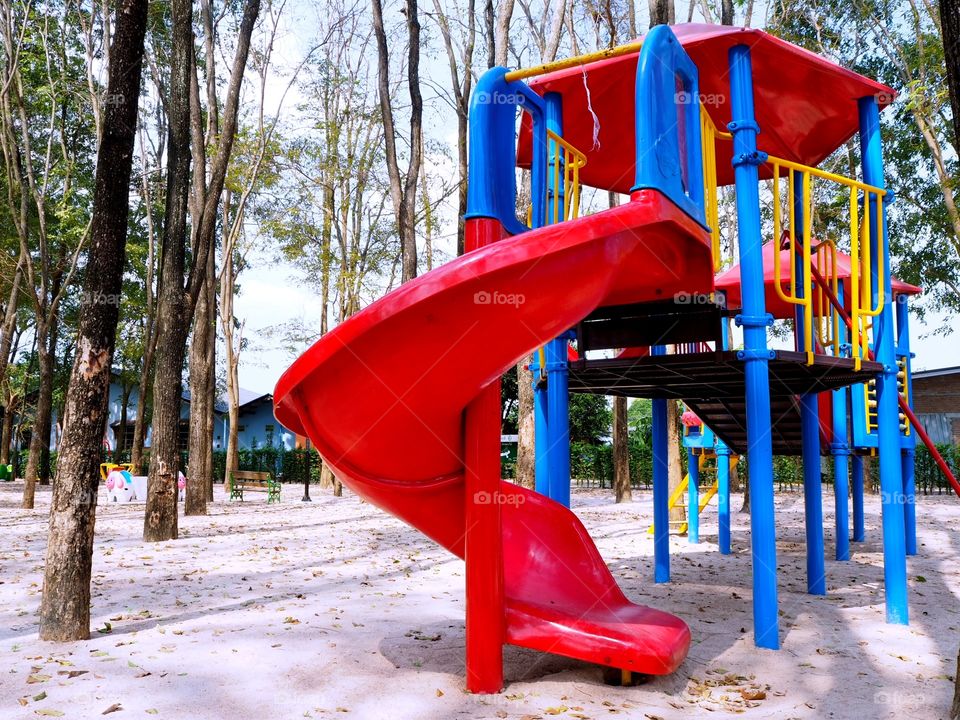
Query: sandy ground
x=333 y=609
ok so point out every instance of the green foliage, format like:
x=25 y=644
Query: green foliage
x=590 y=418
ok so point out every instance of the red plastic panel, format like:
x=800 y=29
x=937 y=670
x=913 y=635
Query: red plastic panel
x=805 y=105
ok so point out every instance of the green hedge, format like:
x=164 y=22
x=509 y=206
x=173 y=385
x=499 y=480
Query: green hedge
x=590 y=465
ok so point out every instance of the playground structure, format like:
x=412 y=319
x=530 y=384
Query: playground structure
x=403 y=399
x=702 y=446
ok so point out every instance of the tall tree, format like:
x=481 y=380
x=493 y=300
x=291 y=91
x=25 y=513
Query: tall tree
x=178 y=300
x=663 y=12
x=160 y=520
x=149 y=314
x=621 y=451
x=461 y=83
x=403 y=186
x=65 y=608
x=950 y=31
x=47 y=145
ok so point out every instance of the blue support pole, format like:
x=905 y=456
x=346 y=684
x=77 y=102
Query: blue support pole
x=558 y=421
x=723 y=473
x=557 y=411
x=693 y=497
x=754 y=320
x=809 y=420
x=541 y=439
x=888 y=412
x=859 y=530
x=723 y=497
x=909 y=443
x=840 y=449
x=907 y=459
x=661 y=490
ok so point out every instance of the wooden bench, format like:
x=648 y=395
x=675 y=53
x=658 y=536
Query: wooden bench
x=247 y=481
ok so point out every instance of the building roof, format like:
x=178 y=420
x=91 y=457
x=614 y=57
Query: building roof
x=220 y=406
x=248 y=396
x=936 y=372
x=806 y=105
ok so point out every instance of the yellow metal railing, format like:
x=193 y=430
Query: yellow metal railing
x=711 y=205
x=870 y=405
x=870 y=399
x=827 y=319
x=862 y=303
x=862 y=306
x=575 y=61
x=904 y=387
x=564 y=163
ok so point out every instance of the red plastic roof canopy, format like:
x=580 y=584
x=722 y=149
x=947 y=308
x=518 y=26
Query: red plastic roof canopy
x=806 y=106
x=729 y=281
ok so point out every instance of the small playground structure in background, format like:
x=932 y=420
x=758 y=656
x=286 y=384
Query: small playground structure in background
x=403 y=399
x=123 y=487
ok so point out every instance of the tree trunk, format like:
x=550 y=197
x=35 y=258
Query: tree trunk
x=526 y=435
x=140 y=421
x=621 y=451
x=403 y=188
x=502 y=39
x=160 y=519
x=6 y=434
x=662 y=12
x=726 y=12
x=40 y=436
x=65 y=607
x=122 y=429
x=46 y=427
x=675 y=474
x=326 y=476
x=233 y=456
x=950 y=27
x=745 y=508
x=9 y=321
x=202 y=391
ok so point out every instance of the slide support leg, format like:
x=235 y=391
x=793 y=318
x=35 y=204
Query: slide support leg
x=484 y=544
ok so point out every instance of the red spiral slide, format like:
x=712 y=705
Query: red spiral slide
x=382 y=396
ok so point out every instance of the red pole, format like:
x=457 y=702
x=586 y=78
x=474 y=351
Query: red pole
x=904 y=405
x=483 y=541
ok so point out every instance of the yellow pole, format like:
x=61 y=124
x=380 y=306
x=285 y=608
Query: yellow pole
x=618 y=51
